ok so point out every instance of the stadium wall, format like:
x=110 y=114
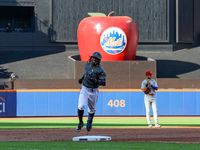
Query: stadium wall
x=55 y=23
x=127 y=102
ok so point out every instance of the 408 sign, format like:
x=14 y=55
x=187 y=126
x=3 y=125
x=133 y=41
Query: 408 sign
x=116 y=103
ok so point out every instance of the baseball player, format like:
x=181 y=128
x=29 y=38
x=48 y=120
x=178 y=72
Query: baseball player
x=149 y=86
x=93 y=77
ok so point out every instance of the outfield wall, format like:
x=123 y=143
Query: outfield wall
x=21 y=103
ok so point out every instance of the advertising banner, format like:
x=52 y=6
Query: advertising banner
x=8 y=103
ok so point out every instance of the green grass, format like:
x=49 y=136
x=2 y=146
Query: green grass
x=95 y=146
x=30 y=123
x=98 y=123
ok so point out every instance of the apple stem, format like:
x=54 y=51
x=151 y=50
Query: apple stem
x=111 y=13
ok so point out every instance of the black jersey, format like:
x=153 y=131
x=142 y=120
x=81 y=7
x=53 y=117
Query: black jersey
x=95 y=72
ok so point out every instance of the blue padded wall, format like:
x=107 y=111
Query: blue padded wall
x=110 y=103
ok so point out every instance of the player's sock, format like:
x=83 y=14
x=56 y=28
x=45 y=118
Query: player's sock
x=91 y=115
x=89 y=122
x=80 y=115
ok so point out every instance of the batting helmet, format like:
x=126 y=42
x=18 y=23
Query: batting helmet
x=149 y=73
x=96 y=55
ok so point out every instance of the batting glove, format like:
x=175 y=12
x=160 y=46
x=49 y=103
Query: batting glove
x=80 y=81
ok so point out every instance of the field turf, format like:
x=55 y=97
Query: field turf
x=99 y=122
x=95 y=146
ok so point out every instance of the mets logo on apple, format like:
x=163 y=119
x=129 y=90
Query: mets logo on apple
x=113 y=40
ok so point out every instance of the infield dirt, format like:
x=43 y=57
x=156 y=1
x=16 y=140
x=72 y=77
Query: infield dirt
x=129 y=134
x=172 y=135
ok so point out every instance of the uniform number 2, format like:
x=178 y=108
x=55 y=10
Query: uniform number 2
x=116 y=103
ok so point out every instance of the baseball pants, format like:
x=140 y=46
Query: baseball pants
x=90 y=96
x=151 y=100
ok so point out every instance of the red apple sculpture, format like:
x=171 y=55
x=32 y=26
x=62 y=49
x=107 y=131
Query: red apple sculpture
x=115 y=37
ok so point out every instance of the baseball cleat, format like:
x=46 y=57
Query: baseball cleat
x=157 y=125
x=80 y=125
x=89 y=124
x=150 y=125
x=89 y=127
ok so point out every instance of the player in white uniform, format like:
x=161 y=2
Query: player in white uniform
x=93 y=77
x=150 y=98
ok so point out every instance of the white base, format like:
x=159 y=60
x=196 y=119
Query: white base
x=92 y=138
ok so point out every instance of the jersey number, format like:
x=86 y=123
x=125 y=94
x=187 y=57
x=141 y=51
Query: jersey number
x=116 y=103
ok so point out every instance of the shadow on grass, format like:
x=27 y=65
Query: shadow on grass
x=5 y=125
x=9 y=125
x=145 y=125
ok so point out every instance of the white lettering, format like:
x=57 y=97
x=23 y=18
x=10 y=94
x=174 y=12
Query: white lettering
x=3 y=107
x=0 y=110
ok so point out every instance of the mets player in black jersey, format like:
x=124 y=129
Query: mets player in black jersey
x=93 y=77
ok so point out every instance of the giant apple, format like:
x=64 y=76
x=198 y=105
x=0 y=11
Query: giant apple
x=115 y=37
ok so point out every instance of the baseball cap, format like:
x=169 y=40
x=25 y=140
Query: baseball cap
x=149 y=73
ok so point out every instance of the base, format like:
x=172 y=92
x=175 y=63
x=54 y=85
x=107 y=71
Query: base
x=92 y=138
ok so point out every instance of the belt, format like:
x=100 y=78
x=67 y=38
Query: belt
x=90 y=89
x=151 y=94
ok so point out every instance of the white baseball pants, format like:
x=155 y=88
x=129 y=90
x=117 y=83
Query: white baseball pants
x=151 y=100
x=90 y=96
